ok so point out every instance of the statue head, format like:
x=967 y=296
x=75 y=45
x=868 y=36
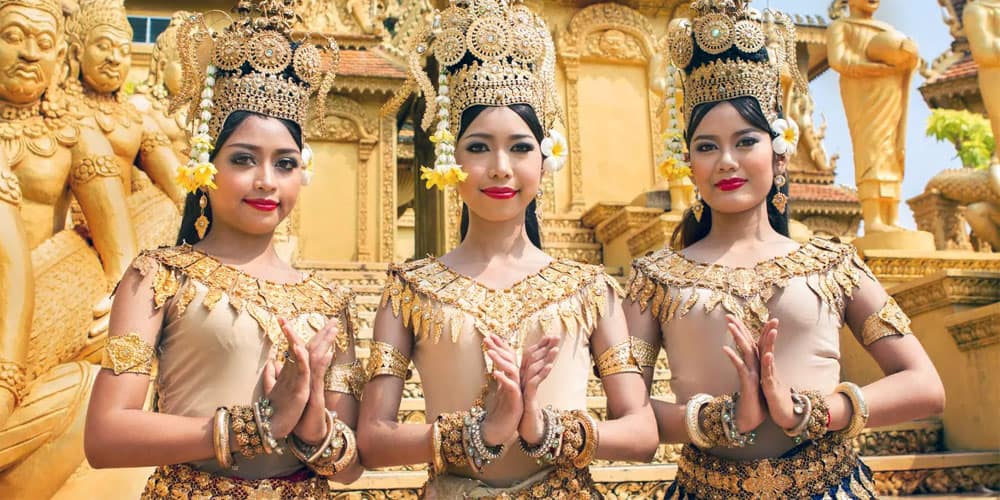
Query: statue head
x=867 y=7
x=31 y=48
x=165 y=62
x=100 y=44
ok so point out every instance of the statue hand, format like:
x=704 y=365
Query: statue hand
x=6 y=406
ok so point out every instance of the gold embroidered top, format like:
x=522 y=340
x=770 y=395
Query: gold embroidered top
x=219 y=330
x=808 y=290
x=448 y=313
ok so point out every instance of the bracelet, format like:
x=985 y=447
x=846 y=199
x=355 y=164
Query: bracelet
x=572 y=438
x=691 y=419
x=245 y=430
x=322 y=459
x=802 y=406
x=859 y=415
x=818 y=425
x=591 y=439
x=437 y=460
x=480 y=454
x=262 y=411
x=220 y=438
x=546 y=451
x=452 y=448
x=736 y=438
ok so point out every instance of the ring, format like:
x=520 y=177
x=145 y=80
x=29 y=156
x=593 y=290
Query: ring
x=288 y=357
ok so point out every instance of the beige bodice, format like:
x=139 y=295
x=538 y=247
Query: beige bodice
x=807 y=291
x=449 y=313
x=219 y=330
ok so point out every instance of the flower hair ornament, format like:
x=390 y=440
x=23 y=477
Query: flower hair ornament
x=253 y=64
x=492 y=53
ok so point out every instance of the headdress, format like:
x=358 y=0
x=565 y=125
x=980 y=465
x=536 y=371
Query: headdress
x=254 y=65
x=53 y=7
x=94 y=13
x=489 y=52
x=724 y=54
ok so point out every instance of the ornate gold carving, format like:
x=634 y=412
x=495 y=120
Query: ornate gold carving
x=659 y=280
x=976 y=328
x=896 y=267
x=10 y=187
x=93 y=167
x=152 y=141
x=921 y=438
x=387 y=190
x=957 y=196
x=953 y=480
x=128 y=353
x=13 y=377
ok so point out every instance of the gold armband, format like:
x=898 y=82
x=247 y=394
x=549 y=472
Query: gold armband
x=10 y=188
x=644 y=352
x=93 y=167
x=128 y=353
x=617 y=359
x=13 y=377
x=385 y=359
x=890 y=320
x=348 y=378
x=153 y=140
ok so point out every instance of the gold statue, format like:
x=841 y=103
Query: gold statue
x=151 y=97
x=51 y=158
x=100 y=44
x=982 y=27
x=876 y=63
x=979 y=191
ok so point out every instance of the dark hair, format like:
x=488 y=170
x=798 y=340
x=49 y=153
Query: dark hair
x=691 y=230
x=528 y=115
x=192 y=210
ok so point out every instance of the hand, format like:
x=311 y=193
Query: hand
x=502 y=421
x=777 y=394
x=536 y=364
x=287 y=386
x=751 y=407
x=311 y=428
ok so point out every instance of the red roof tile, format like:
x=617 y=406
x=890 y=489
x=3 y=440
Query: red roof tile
x=822 y=192
x=961 y=68
x=373 y=63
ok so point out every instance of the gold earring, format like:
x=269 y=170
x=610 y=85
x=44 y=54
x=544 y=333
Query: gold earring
x=697 y=208
x=780 y=201
x=201 y=223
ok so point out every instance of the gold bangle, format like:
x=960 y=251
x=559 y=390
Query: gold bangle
x=591 y=439
x=385 y=359
x=452 y=449
x=437 y=461
x=220 y=438
x=245 y=430
x=692 y=415
x=644 y=352
x=859 y=416
x=128 y=353
x=617 y=359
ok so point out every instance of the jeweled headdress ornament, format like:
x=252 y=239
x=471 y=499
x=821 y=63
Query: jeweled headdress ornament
x=724 y=54
x=489 y=52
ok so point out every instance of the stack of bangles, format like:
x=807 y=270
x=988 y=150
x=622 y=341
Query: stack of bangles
x=569 y=438
x=711 y=421
x=250 y=426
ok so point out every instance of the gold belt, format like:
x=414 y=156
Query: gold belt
x=184 y=481
x=816 y=469
x=558 y=483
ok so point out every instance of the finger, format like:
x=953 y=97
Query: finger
x=741 y=367
x=746 y=351
x=505 y=383
x=767 y=378
x=270 y=377
x=500 y=363
x=503 y=344
x=531 y=387
x=497 y=345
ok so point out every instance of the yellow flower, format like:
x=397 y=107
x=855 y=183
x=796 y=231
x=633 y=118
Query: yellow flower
x=442 y=135
x=202 y=142
x=441 y=180
x=204 y=175
x=673 y=169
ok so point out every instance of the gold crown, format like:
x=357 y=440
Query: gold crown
x=257 y=66
x=94 y=13
x=725 y=54
x=54 y=7
x=496 y=53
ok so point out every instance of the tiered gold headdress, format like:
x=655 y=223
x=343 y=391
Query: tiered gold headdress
x=493 y=53
x=253 y=65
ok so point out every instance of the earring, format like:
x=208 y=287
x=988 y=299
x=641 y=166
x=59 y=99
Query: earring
x=697 y=208
x=780 y=201
x=201 y=223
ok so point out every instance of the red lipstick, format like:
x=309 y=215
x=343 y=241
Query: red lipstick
x=500 y=193
x=730 y=184
x=262 y=204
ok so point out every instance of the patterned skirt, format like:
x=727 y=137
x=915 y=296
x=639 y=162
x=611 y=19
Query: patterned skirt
x=825 y=469
x=556 y=483
x=184 y=481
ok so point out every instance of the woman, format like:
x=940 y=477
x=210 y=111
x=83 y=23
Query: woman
x=256 y=381
x=501 y=333
x=779 y=425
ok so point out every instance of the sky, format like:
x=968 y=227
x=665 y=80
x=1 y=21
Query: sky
x=922 y=21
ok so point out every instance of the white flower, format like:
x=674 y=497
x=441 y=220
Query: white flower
x=555 y=148
x=788 y=136
x=307 y=177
